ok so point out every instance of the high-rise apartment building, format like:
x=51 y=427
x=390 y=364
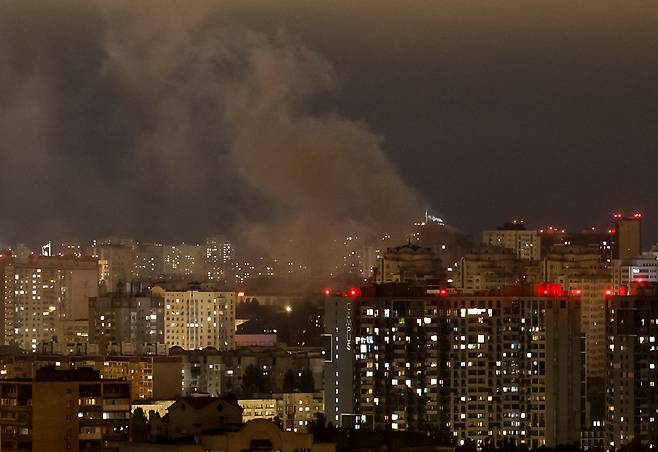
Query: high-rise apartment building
x=219 y=251
x=409 y=263
x=525 y=243
x=633 y=369
x=42 y=292
x=116 y=266
x=149 y=261
x=638 y=270
x=581 y=271
x=64 y=410
x=198 y=319
x=475 y=366
x=184 y=260
x=489 y=268
x=628 y=236
x=116 y=318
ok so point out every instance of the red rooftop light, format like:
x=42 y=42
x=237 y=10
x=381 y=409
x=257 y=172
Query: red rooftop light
x=354 y=292
x=327 y=292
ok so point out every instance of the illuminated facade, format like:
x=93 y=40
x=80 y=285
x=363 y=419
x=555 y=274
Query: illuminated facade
x=526 y=244
x=183 y=260
x=488 y=268
x=634 y=270
x=150 y=377
x=219 y=251
x=64 y=410
x=478 y=367
x=117 y=319
x=198 y=319
x=42 y=293
x=633 y=369
x=294 y=410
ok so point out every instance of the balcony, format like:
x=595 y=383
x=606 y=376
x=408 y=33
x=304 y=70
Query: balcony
x=116 y=405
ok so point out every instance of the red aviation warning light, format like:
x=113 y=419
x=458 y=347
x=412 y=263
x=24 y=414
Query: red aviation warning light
x=354 y=292
x=327 y=292
x=548 y=289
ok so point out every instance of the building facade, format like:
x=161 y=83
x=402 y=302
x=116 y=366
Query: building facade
x=198 y=319
x=118 y=318
x=526 y=244
x=475 y=367
x=70 y=410
x=633 y=369
x=41 y=293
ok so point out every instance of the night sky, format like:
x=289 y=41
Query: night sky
x=169 y=123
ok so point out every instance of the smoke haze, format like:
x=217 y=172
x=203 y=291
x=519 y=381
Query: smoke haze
x=148 y=118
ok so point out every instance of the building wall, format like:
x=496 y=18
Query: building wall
x=525 y=244
x=117 y=319
x=479 y=366
x=47 y=290
x=64 y=415
x=633 y=370
x=195 y=319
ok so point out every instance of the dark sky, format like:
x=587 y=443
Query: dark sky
x=488 y=111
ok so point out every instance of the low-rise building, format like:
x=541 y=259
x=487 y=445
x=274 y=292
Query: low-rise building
x=292 y=410
x=191 y=416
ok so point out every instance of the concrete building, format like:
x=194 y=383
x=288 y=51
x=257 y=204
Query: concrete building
x=150 y=377
x=581 y=271
x=149 y=261
x=64 y=410
x=479 y=367
x=625 y=272
x=293 y=410
x=411 y=264
x=258 y=409
x=633 y=369
x=489 y=268
x=219 y=251
x=214 y=372
x=117 y=318
x=184 y=261
x=116 y=266
x=602 y=242
x=628 y=236
x=191 y=416
x=198 y=319
x=526 y=244
x=42 y=292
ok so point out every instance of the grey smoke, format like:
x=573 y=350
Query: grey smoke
x=178 y=106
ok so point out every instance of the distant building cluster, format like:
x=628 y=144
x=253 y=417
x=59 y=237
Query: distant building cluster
x=526 y=337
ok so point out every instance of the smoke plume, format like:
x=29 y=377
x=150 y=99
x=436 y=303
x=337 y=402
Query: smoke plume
x=151 y=118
